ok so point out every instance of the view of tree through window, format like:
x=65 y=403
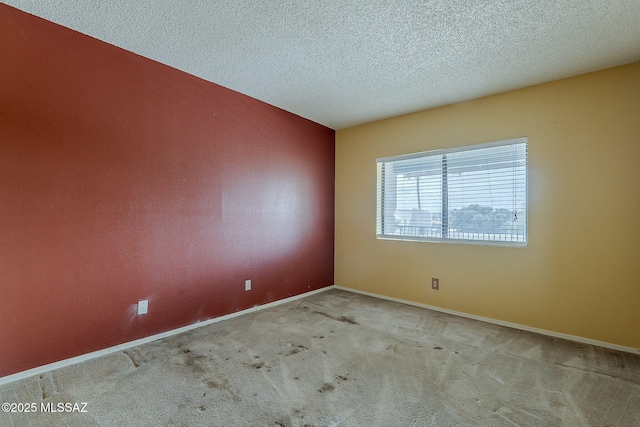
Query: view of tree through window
x=476 y=193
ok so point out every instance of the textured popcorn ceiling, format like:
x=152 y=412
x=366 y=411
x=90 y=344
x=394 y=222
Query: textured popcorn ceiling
x=342 y=63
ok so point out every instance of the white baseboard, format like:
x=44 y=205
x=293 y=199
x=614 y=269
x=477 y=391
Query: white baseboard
x=120 y=347
x=500 y=322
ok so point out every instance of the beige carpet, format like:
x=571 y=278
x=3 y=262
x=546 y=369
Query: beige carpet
x=342 y=359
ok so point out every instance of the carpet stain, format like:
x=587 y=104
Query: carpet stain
x=133 y=360
x=393 y=348
x=44 y=392
x=348 y=319
x=327 y=387
x=189 y=360
x=223 y=386
x=297 y=349
x=344 y=319
x=282 y=423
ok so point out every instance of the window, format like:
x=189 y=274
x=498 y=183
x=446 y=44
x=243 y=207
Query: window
x=474 y=194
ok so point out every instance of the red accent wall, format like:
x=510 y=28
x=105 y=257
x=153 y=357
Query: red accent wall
x=123 y=179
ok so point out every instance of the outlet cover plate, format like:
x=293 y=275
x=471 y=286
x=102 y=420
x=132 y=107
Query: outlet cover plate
x=143 y=307
x=247 y=285
x=435 y=284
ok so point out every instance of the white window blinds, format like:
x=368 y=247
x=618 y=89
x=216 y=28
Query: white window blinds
x=474 y=194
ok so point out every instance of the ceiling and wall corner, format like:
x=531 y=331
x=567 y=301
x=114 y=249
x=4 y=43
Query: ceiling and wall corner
x=346 y=63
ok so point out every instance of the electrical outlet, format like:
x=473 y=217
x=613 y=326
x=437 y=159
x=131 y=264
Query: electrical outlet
x=247 y=285
x=143 y=307
x=435 y=284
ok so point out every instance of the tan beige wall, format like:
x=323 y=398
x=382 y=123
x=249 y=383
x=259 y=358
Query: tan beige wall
x=580 y=273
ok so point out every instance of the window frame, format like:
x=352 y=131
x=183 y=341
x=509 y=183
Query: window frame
x=380 y=164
